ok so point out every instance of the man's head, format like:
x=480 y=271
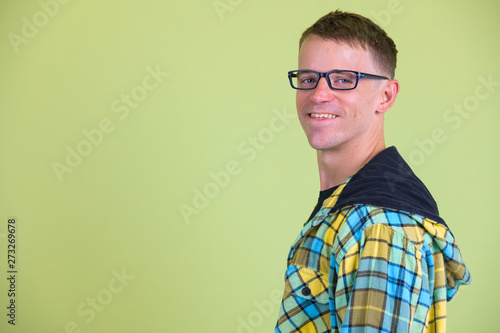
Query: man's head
x=356 y=30
x=350 y=119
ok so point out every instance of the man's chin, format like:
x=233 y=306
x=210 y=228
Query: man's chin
x=322 y=146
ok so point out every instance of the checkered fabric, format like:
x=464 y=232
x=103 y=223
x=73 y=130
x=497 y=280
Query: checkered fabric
x=364 y=268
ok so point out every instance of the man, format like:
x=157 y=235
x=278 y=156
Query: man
x=374 y=256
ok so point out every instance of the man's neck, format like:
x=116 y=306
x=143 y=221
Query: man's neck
x=335 y=166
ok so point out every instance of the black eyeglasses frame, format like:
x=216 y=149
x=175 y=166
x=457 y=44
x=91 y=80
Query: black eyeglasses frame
x=359 y=75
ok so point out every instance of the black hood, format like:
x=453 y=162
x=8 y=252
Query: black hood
x=387 y=181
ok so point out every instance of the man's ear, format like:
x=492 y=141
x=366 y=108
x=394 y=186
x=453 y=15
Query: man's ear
x=388 y=95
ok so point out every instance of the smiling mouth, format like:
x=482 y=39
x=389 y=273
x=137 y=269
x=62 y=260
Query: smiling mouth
x=322 y=116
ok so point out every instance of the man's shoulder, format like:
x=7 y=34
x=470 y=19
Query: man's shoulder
x=359 y=220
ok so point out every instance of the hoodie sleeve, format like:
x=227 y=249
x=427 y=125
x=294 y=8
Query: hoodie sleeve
x=381 y=285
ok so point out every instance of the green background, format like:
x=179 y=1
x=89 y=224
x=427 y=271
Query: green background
x=119 y=209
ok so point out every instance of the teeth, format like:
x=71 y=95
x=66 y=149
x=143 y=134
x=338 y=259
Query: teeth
x=322 y=115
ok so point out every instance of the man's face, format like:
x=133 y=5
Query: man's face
x=336 y=119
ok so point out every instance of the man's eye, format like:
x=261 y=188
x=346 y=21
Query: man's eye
x=308 y=79
x=343 y=80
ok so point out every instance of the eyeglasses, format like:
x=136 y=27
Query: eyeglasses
x=337 y=79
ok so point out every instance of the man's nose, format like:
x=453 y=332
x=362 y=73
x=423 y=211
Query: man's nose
x=322 y=92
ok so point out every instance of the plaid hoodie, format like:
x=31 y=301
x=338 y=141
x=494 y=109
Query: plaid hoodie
x=375 y=258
